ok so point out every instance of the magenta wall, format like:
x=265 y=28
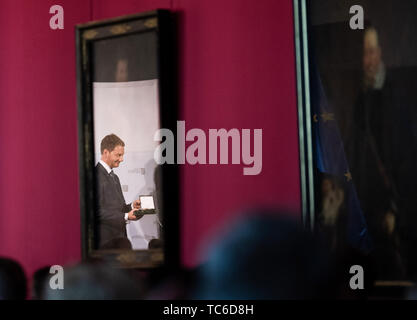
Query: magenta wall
x=236 y=71
x=39 y=202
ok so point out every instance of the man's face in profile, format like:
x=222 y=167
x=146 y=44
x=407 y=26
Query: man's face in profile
x=115 y=157
x=371 y=55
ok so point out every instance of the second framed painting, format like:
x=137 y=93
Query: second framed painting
x=357 y=102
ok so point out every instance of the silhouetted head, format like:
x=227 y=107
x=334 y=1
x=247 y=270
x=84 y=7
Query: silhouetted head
x=264 y=256
x=93 y=281
x=13 y=281
x=40 y=280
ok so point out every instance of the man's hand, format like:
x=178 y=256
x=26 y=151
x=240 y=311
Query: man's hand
x=136 y=204
x=131 y=215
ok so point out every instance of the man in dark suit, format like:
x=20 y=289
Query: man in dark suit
x=382 y=156
x=113 y=212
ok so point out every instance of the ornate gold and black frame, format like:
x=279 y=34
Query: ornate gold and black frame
x=160 y=24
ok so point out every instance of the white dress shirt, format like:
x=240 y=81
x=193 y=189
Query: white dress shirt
x=106 y=166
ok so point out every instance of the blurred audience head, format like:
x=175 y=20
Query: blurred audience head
x=39 y=281
x=265 y=255
x=13 y=281
x=95 y=281
x=172 y=284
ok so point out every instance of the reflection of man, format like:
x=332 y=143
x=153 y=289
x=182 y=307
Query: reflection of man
x=121 y=74
x=113 y=212
x=373 y=66
x=382 y=154
x=371 y=158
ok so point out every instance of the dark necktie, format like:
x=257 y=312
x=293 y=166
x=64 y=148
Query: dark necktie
x=116 y=184
x=113 y=176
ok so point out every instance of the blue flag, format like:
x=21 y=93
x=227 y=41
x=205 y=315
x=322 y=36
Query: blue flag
x=330 y=159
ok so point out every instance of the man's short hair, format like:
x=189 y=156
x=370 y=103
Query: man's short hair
x=110 y=142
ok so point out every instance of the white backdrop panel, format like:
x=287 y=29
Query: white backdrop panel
x=131 y=111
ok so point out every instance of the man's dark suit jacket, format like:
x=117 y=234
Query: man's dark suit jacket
x=112 y=207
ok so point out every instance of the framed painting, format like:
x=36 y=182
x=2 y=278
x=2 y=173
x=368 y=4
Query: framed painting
x=356 y=65
x=125 y=77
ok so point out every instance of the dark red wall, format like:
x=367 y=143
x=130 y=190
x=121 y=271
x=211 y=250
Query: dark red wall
x=39 y=202
x=236 y=71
